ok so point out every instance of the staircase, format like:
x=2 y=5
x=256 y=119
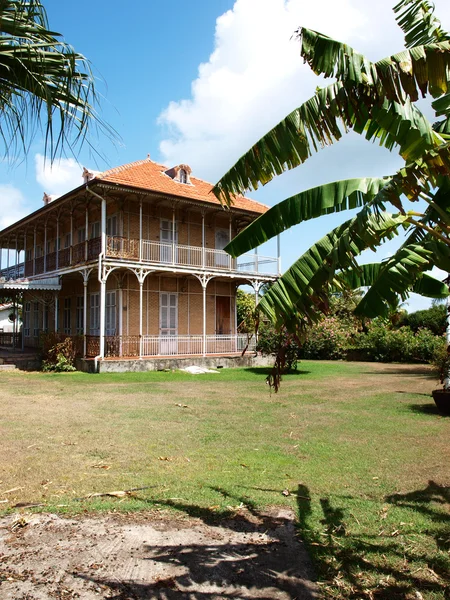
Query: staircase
x=24 y=361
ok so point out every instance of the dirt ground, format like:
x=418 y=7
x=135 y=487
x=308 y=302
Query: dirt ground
x=161 y=556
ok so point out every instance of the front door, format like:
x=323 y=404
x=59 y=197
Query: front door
x=223 y=315
x=168 y=323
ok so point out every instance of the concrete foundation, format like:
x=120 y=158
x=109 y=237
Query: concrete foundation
x=132 y=365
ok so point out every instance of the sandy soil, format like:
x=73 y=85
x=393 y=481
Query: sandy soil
x=160 y=556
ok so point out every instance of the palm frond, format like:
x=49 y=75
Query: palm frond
x=303 y=289
x=421 y=69
x=317 y=123
x=395 y=278
x=418 y=23
x=366 y=275
x=44 y=83
x=321 y=200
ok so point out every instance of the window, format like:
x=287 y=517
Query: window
x=49 y=247
x=26 y=319
x=38 y=251
x=110 y=315
x=81 y=235
x=66 y=316
x=28 y=255
x=95 y=230
x=46 y=319
x=111 y=225
x=67 y=240
x=36 y=329
x=182 y=176
x=94 y=316
x=79 y=316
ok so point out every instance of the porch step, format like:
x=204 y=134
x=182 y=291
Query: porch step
x=7 y=367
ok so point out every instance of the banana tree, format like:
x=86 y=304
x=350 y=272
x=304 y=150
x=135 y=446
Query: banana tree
x=378 y=101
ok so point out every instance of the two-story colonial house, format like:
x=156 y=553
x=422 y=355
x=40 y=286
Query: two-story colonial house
x=132 y=261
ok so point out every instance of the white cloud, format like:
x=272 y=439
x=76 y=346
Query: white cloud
x=59 y=178
x=255 y=75
x=13 y=205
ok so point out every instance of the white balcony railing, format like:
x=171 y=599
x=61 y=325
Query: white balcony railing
x=170 y=345
x=178 y=345
x=206 y=258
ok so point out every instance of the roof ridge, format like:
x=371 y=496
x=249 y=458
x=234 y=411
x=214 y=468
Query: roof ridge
x=121 y=168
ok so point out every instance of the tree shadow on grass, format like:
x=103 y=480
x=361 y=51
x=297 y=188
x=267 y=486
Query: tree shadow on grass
x=354 y=565
x=265 y=371
x=249 y=553
x=426 y=409
x=408 y=370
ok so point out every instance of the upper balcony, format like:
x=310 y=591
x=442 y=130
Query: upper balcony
x=163 y=255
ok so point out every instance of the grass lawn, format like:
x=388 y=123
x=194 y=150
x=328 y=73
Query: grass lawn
x=359 y=447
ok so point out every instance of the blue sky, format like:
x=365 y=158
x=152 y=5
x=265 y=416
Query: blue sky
x=198 y=82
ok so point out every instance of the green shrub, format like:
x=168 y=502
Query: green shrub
x=396 y=345
x=434 y=319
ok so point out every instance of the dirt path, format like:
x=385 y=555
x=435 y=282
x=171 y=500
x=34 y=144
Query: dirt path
x=153 y=556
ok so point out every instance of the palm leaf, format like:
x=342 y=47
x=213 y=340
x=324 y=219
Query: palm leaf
x=316 y=123
x=44 y=83
x=395 y=278
x=418 y=23
x=366 y=275
x=403 y=75
x=303 y=289
x=312 y=203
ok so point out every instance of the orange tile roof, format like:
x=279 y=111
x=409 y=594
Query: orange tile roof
x=148 y=175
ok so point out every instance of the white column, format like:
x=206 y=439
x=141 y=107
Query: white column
x=278 y=255
x=86 y=236
x=1 y=254
x=16 y=270
x=24 y=252
x=230 y=233
x=120 y=302
x=56 y=311
x=103 y=226
x=34 y=252
x=45 y=248
x=256 y=260
x=204 y=284
x=57 y=244
x=203 y=240
x=141 y=285
x=102 y=316
x=7 y=261
x=71 y=238
x=173 y=235
x=85 y=296
x=140 y=230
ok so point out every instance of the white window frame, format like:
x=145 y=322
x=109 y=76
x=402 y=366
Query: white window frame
x=95 y=230
x=111 y=313
x=81 y=235
x=26 y=319
x=67 y=316
x=173 y=330
x=112 y=225
x=79 y=316
x=36 y=315
x=94 y=313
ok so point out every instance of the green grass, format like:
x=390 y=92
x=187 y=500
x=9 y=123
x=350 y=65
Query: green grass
x=360 y=448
